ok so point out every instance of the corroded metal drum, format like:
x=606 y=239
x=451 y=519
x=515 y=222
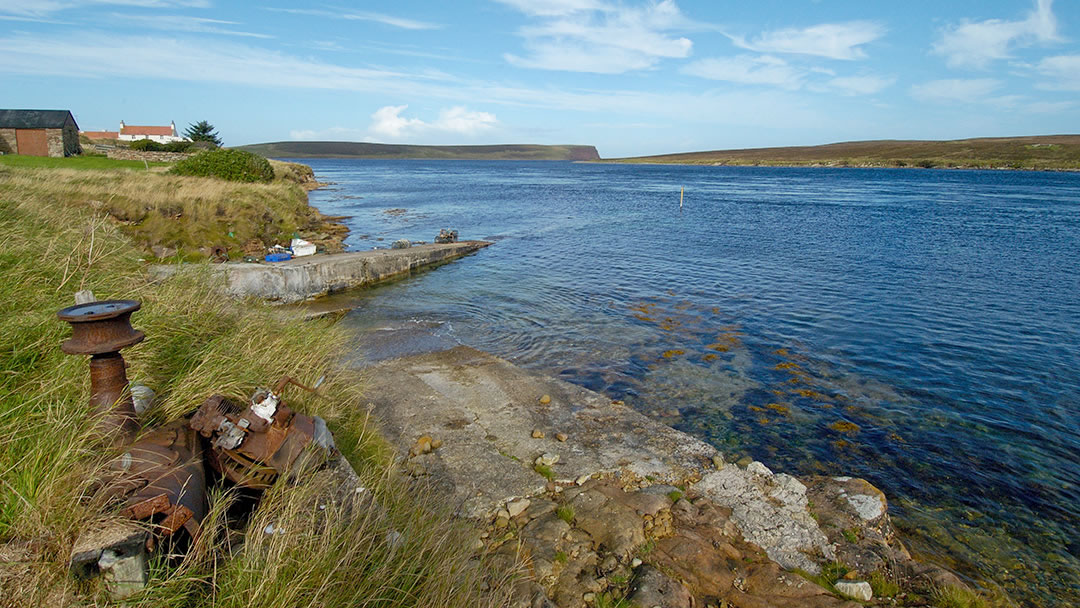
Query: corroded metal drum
x=101 y=329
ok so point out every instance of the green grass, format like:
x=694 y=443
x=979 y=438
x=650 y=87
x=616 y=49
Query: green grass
x=197 y=344
x=97 y=163
x=883 y=585
x=188 y=214
x=565 y=513
x=950 y=596
x=547 y=472
x=674 y=495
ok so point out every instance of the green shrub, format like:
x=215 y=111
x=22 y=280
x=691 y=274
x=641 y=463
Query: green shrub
x=147 y=145
x=231 y=165
x=177 y=146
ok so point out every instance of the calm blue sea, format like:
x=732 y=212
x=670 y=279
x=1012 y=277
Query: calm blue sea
x=917 y=328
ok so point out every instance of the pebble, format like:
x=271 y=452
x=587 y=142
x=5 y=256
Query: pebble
x=547 y=459
x=546 y=399
x=517 y=507
x=635 y=562
x=718 y=461
x=501 y=522
x=537 y=434
x=589 y=597
x=436 y=444
x=859 y=590
x=581 y=480
x=561 y=436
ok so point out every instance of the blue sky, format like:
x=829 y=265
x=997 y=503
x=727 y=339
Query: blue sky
x=631 y=77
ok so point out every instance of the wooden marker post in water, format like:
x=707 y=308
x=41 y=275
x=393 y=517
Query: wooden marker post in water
x=681 y=190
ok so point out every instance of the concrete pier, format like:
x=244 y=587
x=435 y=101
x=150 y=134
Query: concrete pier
x=314 y=276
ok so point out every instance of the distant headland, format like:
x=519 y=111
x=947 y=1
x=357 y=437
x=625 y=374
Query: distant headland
x=348 y=149
x=1043 y=152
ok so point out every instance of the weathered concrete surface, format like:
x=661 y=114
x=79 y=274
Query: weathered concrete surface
x=313 y=276
x=484 y=410
x=612 y=523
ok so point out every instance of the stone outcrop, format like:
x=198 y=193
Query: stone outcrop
x=603 y=503
x=148 y=156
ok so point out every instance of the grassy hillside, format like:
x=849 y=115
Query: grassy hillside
x=197 y=343
x=185 y=215
x=1036 y=152
x=346 y=149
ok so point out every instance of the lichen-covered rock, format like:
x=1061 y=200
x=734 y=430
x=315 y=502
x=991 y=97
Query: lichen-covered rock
x=653 y=588
x=771 y=511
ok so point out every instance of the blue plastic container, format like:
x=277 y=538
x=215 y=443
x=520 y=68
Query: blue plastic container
x=278 y=257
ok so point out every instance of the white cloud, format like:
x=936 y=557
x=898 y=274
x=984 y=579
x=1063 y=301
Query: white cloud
x=183 y=23
x=40 y=8
x=552 y=8
x=860 y=85
x=831 y=40
x=92 y=54
x=976 y=44
x=387 y=122
x=747 y=69
x=971 y=90
x=1063 y=70
x=391 y=20
x=579 y=37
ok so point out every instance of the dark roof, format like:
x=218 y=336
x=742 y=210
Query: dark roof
x=34 y=119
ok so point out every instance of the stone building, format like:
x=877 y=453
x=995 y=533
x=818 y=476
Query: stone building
x=39 y=133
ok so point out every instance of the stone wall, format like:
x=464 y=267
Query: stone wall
x=55 y=140
x=153 y=157
x=7 y=141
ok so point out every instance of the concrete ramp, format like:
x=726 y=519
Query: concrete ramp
x=310 y=277
x=484 y=410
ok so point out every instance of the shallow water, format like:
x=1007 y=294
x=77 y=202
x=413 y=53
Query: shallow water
x=916 y=328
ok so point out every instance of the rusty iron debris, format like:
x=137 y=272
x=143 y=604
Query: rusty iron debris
x=101 y=330
x=161 y=478
x=252 y=446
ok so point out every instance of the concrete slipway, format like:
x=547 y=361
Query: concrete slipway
x=310 y=277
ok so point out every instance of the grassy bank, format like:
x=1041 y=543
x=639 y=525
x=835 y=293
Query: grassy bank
x=188 y=215
x=56 y=243
x=95 y=163
x=1051 y=152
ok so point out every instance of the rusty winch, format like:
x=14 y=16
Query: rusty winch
x=252 y=446
x=161 y=478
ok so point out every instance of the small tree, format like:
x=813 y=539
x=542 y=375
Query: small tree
x=202 y=131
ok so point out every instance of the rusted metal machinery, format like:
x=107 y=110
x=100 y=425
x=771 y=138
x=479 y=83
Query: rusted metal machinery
x=101 y=329
x=162 y=478
x=252 y=446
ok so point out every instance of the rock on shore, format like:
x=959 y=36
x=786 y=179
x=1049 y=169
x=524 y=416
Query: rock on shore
x=603 y=502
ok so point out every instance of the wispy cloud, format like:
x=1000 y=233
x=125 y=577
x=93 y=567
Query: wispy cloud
x=860 y=85
x=970 y=90
x=831 y=40
x=556 y=8
x=747 y=69
x=1063 y=72
x=41 y=8
x=582 y=36
x=387 y=122
x=183 y=23
x=976 y=44
x=94 y=55
x=391 y=20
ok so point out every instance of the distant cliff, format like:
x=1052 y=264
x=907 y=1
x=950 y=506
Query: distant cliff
x=348 y=149
x=1035 y=152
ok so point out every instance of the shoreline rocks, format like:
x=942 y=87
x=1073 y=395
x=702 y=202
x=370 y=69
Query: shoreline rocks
x=603 y=503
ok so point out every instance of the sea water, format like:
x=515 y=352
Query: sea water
x=918 y=328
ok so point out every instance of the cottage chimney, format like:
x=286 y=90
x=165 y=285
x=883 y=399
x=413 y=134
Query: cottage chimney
x=172 y=124
x=121 y=125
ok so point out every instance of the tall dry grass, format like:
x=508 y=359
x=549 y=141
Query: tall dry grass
x=55 y=244
x=185 y=213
